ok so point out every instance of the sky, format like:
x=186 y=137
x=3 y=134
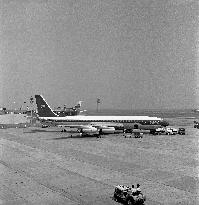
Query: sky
x=132 y=54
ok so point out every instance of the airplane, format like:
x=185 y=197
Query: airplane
x=96 y=124
x=70 y=111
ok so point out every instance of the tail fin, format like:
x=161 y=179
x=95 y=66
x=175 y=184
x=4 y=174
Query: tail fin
x=43 y=108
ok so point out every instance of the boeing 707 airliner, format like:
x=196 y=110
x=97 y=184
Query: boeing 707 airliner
x=94 y=124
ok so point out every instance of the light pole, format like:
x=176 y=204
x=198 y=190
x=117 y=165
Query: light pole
x=14 y=106
x=98 y=102
x=31 y=102
x=24 y=106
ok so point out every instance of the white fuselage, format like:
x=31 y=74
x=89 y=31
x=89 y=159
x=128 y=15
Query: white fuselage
x=116 y=119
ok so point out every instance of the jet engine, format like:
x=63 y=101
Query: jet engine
x=107 y=130
x=89 y=130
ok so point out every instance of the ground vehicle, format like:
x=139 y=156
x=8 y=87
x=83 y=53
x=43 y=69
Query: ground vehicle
x=138 y=134
x=125 y=194
x=44 y=126
x=158 y=131
x=196 y=124
x=181 y=131
x=171 y=131
x=175 y=131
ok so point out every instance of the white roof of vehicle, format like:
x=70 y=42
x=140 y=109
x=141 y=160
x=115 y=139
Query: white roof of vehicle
x=172 y=128
x=122 y=187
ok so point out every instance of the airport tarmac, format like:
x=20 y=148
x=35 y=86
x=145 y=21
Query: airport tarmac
x=46 y=167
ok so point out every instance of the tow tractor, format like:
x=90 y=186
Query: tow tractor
x=127 y=196
x=138 y=133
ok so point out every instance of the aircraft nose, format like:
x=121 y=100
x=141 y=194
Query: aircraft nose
x=164 y=123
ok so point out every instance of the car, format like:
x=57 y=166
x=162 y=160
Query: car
x=181 y=131
x=158 y=131
x=196 y=126
x=44 y=126
x=171 y=131
x=127 y=136
x=175 y=131
x=138 y=134
x=124 y=194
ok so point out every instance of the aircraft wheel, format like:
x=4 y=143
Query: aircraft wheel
x=100 y=131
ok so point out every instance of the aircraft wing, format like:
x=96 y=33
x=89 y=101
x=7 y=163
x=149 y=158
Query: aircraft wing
x=74 y=126
x=98 y=125
x=106 y=124
x=102 y=128
x=93 y=124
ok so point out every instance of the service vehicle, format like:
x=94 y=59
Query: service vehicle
x=171 y=131
x=181 y=131
x=196 y=124
x=124 y=194
x=44 y=126
x=158 y=131
x=138 y=134
x=127 y=135
x=175 y=130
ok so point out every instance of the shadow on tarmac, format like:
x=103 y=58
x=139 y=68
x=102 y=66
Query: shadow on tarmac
x=68 y=134
x=38 y=130
x=77 y=136
x=49 y=130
